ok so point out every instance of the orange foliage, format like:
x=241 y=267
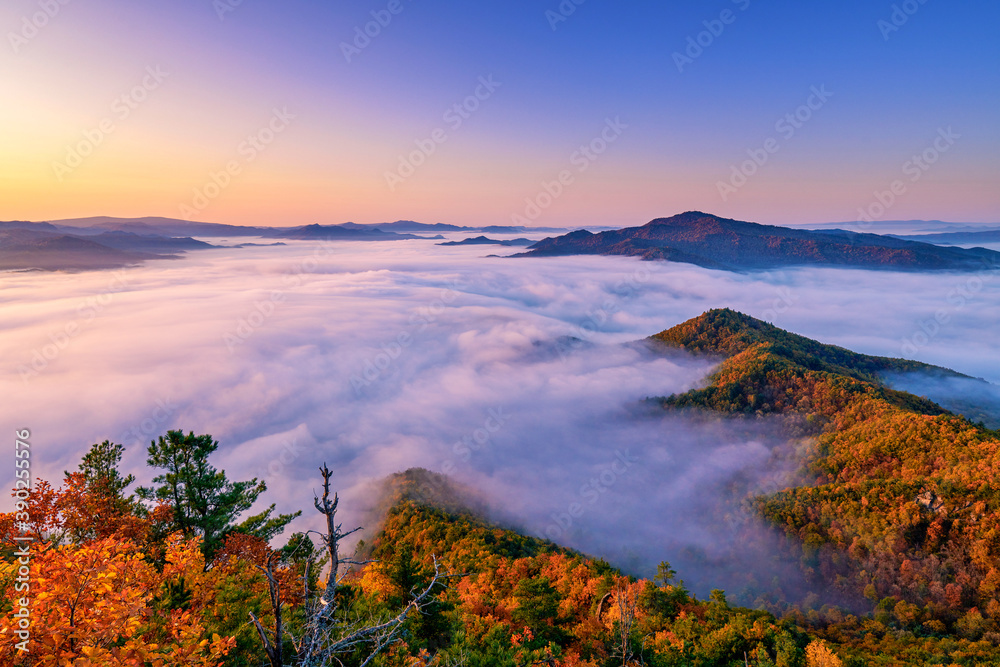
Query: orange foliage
x=241 y=550
x=94 y=604
x=78 y=512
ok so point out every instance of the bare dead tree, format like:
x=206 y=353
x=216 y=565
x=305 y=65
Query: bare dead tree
x=324 y=636
x=273 y=649
x=626 y=619
x=600 y=606
x=323 y=641
x=334 y=534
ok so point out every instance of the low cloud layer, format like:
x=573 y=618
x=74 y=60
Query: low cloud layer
x=517 y=377
x=977 y=400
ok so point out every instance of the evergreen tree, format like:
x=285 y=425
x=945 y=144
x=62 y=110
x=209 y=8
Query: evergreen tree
x=204 y=502
x=100 y=470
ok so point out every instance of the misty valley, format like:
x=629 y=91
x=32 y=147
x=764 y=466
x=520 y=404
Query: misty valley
x=614 y=461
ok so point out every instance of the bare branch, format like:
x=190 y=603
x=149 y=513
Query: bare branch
x=272 y=649
x=326 y=633
x=626 y=619
x=333 y=536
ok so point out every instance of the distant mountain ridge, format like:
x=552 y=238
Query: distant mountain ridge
x=722 y=243
x=175 y=227
x=153 y=225
x=957 y=238
x=103 y=242
x=24 y=249
x=47 y=247
x=483 y=240
x=339 y=232
x=902 y=228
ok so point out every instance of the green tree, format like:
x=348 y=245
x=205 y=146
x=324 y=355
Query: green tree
x=93 y=501
x=664 y=573
x=99 y=468
x=538 y=609
x=204 y=502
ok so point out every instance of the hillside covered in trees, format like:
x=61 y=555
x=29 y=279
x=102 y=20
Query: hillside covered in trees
x=894 y=508
x=897 y=502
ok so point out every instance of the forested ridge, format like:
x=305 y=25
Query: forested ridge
x=708 y=240
x=899 y=498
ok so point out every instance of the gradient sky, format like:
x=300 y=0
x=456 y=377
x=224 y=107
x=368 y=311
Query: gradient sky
x=891 y=94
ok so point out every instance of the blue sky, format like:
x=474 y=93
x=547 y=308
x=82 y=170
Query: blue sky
x=891 y=90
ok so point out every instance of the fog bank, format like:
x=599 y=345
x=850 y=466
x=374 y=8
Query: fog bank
x=515 y=376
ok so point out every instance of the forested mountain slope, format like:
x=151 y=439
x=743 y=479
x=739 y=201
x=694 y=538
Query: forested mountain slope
x=900 y=501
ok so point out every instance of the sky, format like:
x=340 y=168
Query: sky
x=568 y=114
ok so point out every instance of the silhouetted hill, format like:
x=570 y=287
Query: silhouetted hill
x=484 y=240
x=957 y=238
x=42 y=246
x=29 y=249
x=155 y=226
x=341 y=233
x=411 y=226
x=714 y=242
x=24 y=224
x=148 y=242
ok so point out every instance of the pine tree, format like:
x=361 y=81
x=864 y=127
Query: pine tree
x=204 y=502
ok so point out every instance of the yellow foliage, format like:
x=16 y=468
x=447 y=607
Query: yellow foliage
x=818 y=654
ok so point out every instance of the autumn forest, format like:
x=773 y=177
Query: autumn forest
x=891 y=517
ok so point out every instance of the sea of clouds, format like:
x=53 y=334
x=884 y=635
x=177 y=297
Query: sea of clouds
x=517 y=377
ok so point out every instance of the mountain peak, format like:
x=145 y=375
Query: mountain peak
x=721 y=331
x=707 y=240
x=688 y=217
x=726 y=332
